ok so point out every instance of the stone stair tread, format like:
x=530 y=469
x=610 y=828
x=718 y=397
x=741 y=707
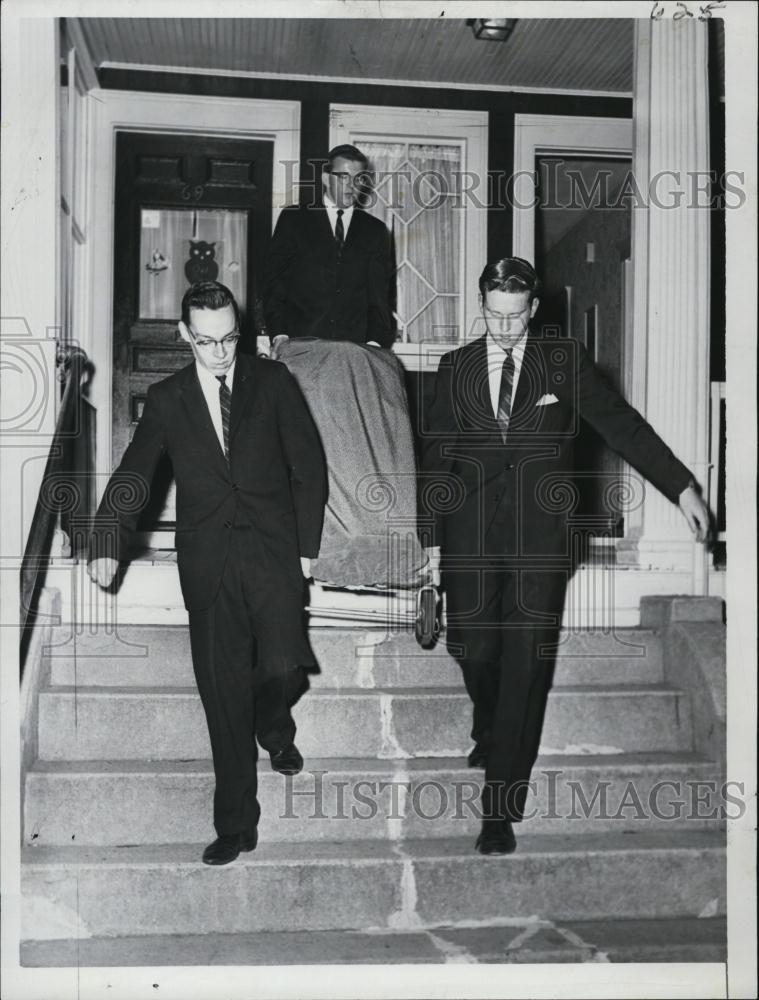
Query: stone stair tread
x=135 y=633
x=686 y=939
x=358 y=692
x=335 y=765
x=367 y=852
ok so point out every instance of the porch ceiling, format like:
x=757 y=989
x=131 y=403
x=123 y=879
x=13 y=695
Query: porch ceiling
x=571 y=54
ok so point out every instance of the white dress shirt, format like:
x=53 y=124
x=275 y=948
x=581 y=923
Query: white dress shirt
x=496 y=357
x=332 y=214
x=210 y=386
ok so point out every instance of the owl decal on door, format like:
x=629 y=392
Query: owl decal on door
x=202 y=264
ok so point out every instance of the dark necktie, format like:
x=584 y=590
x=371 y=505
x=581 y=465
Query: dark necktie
x=339 y=230
x=225 y=401
x=504 y=393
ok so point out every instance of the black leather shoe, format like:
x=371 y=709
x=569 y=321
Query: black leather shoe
x=227 y=847
x=497 y=837
x=287 y=761
x=478 y=756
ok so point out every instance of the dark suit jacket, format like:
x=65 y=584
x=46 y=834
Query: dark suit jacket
x=275 y=480
x=464 y=454
x=311 y=290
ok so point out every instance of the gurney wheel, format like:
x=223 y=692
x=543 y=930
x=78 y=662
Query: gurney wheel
x=427 y=625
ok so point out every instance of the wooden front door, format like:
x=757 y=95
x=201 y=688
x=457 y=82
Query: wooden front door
x=187 y=208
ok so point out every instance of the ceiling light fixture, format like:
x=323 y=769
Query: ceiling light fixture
x=493 y=29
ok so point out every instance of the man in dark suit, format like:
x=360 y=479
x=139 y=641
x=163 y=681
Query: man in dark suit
x=498 y=449
x=251 y=490
x=328 y=266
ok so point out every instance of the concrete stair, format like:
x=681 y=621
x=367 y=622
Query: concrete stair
x=112 y=803
x=532 y=942
x=375 y=838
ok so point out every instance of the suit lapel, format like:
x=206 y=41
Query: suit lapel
x=323 y=230
x=530 y=385
x=473 y=392
x=243 y=391
x=198 y=416
x=356 y=227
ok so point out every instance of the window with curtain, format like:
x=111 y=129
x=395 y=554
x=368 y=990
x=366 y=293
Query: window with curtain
x=415 y=193
x=430 y=188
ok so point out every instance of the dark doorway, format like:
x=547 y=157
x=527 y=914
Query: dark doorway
x=582 y=253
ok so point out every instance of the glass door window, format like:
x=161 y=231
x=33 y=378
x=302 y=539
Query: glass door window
x=179 y=246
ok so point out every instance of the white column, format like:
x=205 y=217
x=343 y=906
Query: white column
x=29 y=317
x=670 y=363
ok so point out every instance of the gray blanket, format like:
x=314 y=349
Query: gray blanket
x=358 y=401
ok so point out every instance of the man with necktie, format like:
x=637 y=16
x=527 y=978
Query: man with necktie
x=498 y=448
x=251 y=490
x=328 y=266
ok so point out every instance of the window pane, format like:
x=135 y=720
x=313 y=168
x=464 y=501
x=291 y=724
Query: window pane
x=438 y=323
x=181 y=246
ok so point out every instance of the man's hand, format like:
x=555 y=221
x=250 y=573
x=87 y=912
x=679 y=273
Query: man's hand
x=433 y=554
x=278 y=342
x=695 y=512
x=305 y=565
x=263 y=346
x=102 y=571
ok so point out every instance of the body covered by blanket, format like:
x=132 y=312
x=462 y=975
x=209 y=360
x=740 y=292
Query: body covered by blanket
x=358 y=401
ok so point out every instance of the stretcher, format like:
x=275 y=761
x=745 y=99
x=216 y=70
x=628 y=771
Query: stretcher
x=371 y=567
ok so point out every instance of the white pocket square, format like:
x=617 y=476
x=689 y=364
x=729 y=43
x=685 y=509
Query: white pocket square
x=547 y=399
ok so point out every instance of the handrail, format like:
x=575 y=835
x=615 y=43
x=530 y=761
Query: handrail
x=716 y=485
x=66 y=483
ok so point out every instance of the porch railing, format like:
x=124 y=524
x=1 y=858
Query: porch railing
x=67 y=494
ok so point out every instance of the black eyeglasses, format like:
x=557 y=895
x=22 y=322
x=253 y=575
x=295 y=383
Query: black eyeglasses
x=206 y=343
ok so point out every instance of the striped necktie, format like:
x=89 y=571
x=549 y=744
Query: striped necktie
x=504 y=393
x=339 y=230
x=225 y=401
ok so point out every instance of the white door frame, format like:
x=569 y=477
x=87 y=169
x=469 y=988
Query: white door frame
x=550 y=134
x=115 y=110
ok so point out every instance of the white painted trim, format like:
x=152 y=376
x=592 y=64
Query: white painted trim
x=113 y=110
x=547 y=134
x=469 y=129
x=497 y=88
x=85 y=61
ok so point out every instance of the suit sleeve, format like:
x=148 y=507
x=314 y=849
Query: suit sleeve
x=305 y=460
x=278 y=269
x=380 y=319
x=624 y=429
x=128 y=489
x=436 y=461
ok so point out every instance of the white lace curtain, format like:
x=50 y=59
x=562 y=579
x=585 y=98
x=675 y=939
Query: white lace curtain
x=415 y=195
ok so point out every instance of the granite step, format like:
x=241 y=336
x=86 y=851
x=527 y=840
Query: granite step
x=87 y=723
x=109 y=891
x=685 y=939
x=129 y=802
x=149 y=656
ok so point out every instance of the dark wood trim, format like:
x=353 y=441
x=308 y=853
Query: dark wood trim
x=319 y=92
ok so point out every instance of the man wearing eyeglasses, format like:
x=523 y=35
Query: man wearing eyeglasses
x=328 y=265
x=251 y=489
x=499 y=447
